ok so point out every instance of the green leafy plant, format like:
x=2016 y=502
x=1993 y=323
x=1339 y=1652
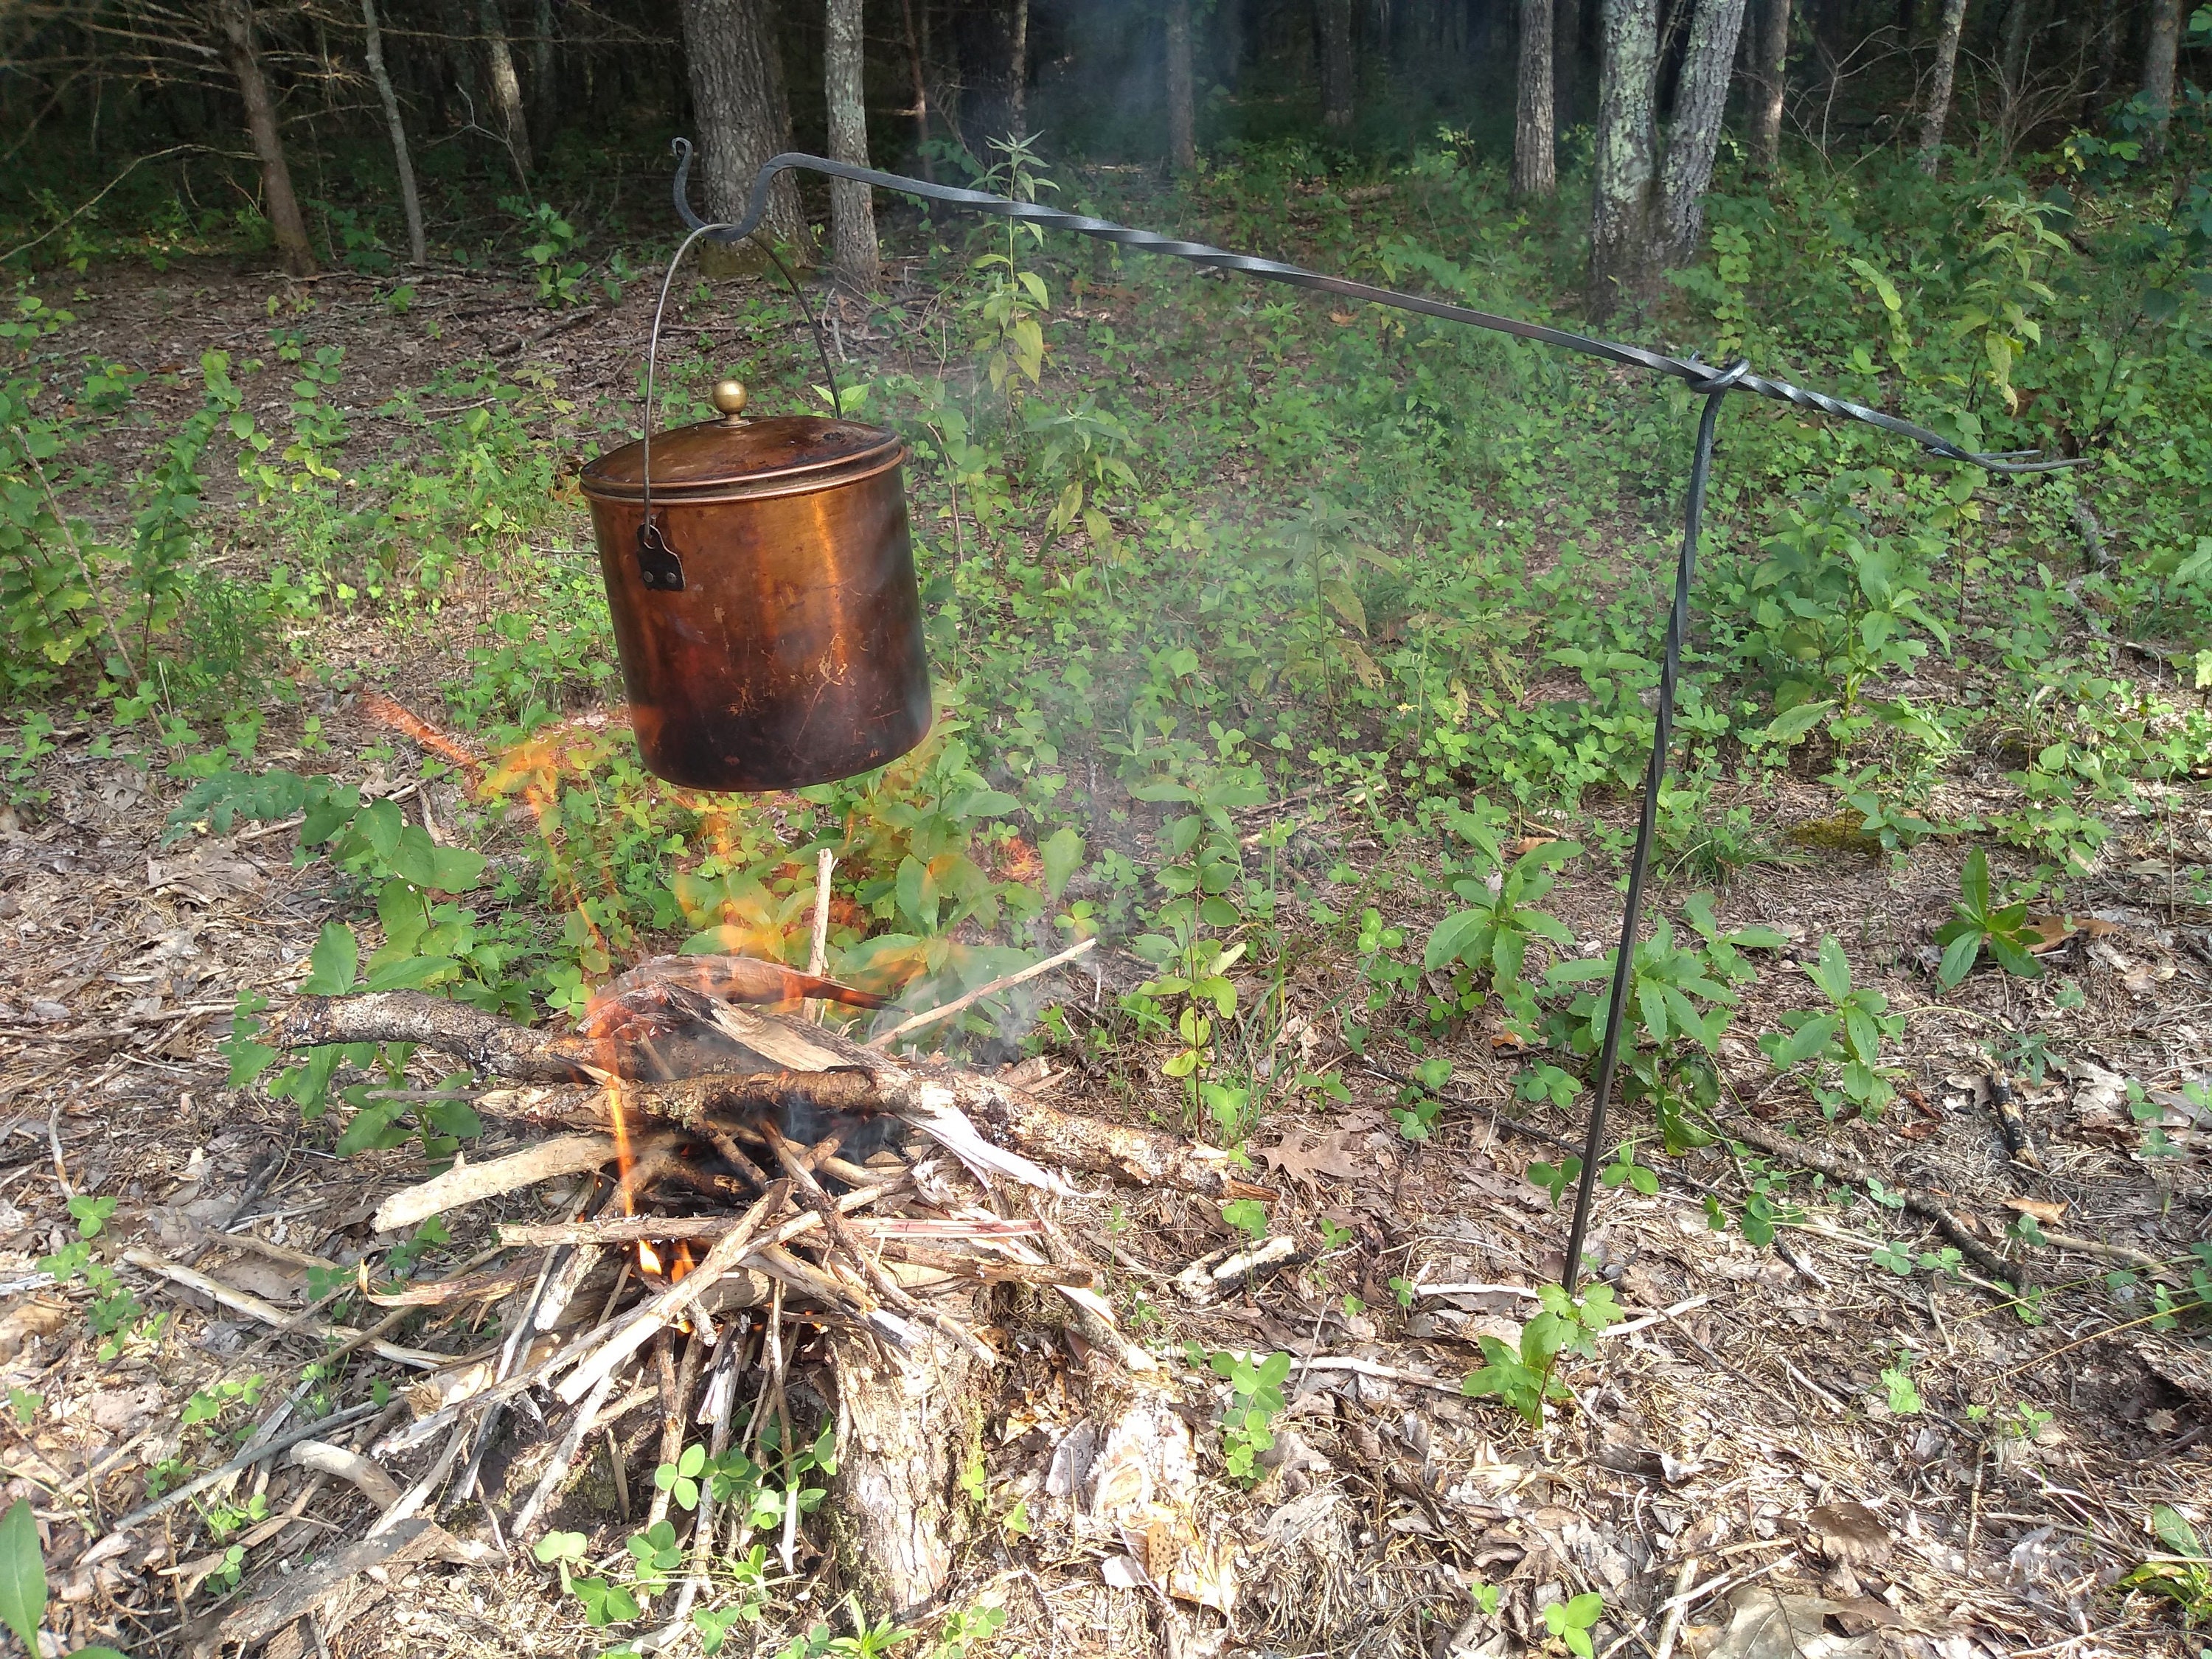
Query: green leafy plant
x=1249 y=1215
x=2184 y=1573
x=1845 y=1042
x=1256 y=1397
x=1896 y=1381
x=1521 y=1376
x=1572 y=1620
x=1978 y=923
x=23 y=1589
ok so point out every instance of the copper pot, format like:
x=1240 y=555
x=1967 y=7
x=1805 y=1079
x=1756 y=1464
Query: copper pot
x=764 y=601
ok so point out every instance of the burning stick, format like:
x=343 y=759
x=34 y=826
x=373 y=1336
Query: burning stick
x=665 y=1308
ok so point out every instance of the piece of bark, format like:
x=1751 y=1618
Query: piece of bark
x=471 y=1183
x=897 y=1446
x=258 y=1620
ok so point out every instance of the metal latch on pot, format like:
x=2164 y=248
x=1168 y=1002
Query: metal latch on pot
x=658 y=567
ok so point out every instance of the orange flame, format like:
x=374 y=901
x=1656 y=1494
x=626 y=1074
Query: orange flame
x=682 y=1264
x=385 y=711
x=649 y=1258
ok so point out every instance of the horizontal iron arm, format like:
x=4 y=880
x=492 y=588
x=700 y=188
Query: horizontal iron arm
x=1697 y=374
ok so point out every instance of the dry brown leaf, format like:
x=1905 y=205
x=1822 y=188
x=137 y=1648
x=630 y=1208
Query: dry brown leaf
x=2043 y=934
x=1302 y=1158
x=1339 y=317
x=2048 y=1213
x=1919 y=1130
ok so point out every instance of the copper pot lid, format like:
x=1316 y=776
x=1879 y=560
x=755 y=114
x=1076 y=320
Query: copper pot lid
x=778 y=454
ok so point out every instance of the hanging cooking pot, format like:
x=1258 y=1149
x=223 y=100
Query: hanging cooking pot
x=763 y=598
x=760 y=578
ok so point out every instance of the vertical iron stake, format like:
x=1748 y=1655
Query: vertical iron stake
x=1678 y=623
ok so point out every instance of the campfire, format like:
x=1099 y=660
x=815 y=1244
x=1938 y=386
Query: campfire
x=745 y=1200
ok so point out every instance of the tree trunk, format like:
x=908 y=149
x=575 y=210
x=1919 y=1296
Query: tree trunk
x=1183 y=141
x=506 y=87
x=1771 y=76
x=1535 y=167
x=1693 y=133
x=993 y=51
x=410 y=201
x=1229 y=42
x=236 y=17
x=737 y=96
x=1566 y=61
x=897 y=1437
x=852 y=206
x=1939 y=85
x=544 y=94
x=2161 y=47
x=1334 y=18
x=2011 y=70
x=920 y=90
x=1626 y=160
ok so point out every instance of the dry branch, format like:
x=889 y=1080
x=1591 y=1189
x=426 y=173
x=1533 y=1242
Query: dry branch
x=269 y=1314
x=470 y=1183
x=485 y=1041
x=819 y=1067
x=1837 y=1166
x=961 y=1005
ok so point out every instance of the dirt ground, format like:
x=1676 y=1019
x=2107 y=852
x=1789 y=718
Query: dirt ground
x=1744 y=1393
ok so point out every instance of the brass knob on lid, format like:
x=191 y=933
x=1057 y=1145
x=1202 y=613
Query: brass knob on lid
x=729 y=397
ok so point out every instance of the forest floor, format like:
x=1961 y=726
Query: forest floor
x=2011 y=1452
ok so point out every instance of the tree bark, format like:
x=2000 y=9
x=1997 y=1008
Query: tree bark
x=1693 y=133
x=993 y=43
x=737 y=94
x=1535 y=167
x=920 y=92
x=236 y=17
x=894 y=1483
x=1566 y=61
x=2161 y=45
x=544 y=94
x=1334 y=18
x=1939 y=85
x=506 y=87
x=853 y=252
x=1183 y=140
x=410 y=201
x=1771 y=74
x=1627 y=161
x=1229 y=42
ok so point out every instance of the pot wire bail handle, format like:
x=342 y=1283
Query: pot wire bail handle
x=659 y=566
